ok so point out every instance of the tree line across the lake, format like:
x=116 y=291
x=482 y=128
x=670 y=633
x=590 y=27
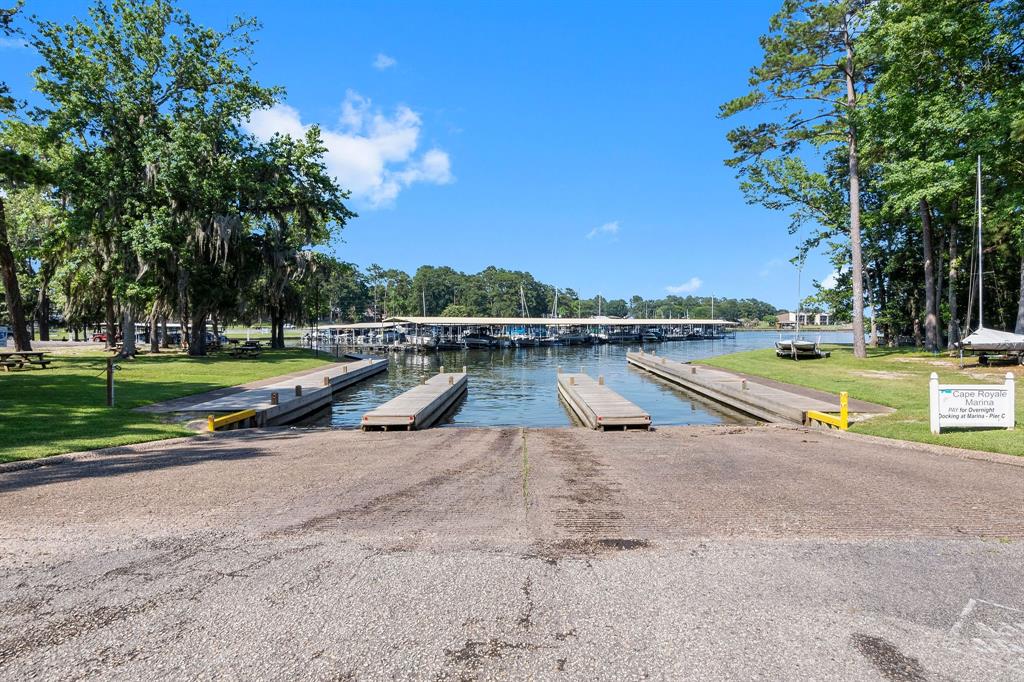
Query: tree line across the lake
x=865 y=121
x=345 y=293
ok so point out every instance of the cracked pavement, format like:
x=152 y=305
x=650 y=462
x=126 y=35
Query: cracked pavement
x=683 y=553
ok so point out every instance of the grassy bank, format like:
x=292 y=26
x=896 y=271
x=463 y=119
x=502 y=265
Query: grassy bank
x=897 y=378
x=63 y=408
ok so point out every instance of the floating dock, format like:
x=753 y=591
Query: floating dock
x=759 y=400
x=293 y=398
x=419 y=407
x=598 y=406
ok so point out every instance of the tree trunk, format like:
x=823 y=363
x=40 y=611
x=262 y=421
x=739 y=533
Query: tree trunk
x=276 y=327
x=197 y=335
x=22 y=341
x=940 y=264
x=857 y=270
x=916 y=317
x=165 y=340
x=931 y=321
x=1019 y=327
x=108 y=312
x=128 y=330
x=952 y=333
x=154 y=329
x=43 y=302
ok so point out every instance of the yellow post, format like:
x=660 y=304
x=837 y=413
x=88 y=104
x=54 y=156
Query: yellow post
x=844 y=410
x=209 y=423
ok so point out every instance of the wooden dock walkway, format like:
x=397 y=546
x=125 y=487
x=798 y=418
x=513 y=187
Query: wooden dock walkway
x=420 y=406
x=767 y=401
x=598 y=406
x=290 y=399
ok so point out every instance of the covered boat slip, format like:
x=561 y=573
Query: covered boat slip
x=436 y=332
x=420 y=406
x=598 y=406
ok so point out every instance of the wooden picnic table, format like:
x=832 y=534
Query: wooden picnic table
x=18 y=358
x=247 y=349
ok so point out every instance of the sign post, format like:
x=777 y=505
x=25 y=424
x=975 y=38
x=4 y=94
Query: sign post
x=965 y=406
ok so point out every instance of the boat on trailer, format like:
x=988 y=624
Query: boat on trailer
x=989 y=344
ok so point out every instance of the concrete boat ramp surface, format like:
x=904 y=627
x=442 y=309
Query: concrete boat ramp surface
x=685 y=553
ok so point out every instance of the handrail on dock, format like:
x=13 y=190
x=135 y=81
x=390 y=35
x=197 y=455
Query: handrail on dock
x=214 y=423
x=842 y=422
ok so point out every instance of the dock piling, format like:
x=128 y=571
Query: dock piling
x=327 y=381
x=298 y=390
x=274 y=398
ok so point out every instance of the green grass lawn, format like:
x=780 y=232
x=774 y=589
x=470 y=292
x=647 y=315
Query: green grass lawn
x=897 y=378
x=63 y=408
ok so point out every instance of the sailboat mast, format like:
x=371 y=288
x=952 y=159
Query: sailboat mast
x=981 y=269
x=799 y=271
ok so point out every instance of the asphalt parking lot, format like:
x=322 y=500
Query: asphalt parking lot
x=711 y=552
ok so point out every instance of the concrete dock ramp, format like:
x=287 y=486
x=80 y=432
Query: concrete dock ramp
x=419 y=407
x=598 y=406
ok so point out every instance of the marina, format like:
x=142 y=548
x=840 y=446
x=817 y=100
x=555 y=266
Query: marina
x=420 y=406
x=516 y=386
x=599 y=407
x=424 y=334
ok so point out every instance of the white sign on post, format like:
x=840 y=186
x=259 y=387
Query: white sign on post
x=962 y=406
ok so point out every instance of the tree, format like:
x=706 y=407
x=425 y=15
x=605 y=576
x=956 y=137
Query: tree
x=16 y=170
x=111 y=82
x=812 y=72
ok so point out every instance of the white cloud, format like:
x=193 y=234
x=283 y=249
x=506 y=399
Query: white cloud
x=772 y=267
x=831 y=281
x=12 y=43
x=370 y=152
x=383 y=62
x=688 y=287
x=611 y=229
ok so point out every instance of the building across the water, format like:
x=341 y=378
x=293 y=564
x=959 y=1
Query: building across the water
x=788 y=319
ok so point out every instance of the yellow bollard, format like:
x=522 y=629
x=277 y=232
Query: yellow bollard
x=844 y=411
x=209 y=423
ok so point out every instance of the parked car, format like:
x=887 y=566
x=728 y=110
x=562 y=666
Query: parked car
x=100 y=337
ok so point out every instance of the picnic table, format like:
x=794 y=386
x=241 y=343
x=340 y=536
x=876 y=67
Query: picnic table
x=19 y=358
x=245 y=349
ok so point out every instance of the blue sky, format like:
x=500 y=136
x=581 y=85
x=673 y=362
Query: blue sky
x=576 y=141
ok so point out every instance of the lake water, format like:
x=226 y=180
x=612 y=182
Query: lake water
x=516 y=387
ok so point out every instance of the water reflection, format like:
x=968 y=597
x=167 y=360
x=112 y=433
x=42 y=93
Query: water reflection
x=516 y=387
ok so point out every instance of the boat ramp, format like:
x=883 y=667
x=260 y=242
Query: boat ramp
x=598 y=406
x=420 y=406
